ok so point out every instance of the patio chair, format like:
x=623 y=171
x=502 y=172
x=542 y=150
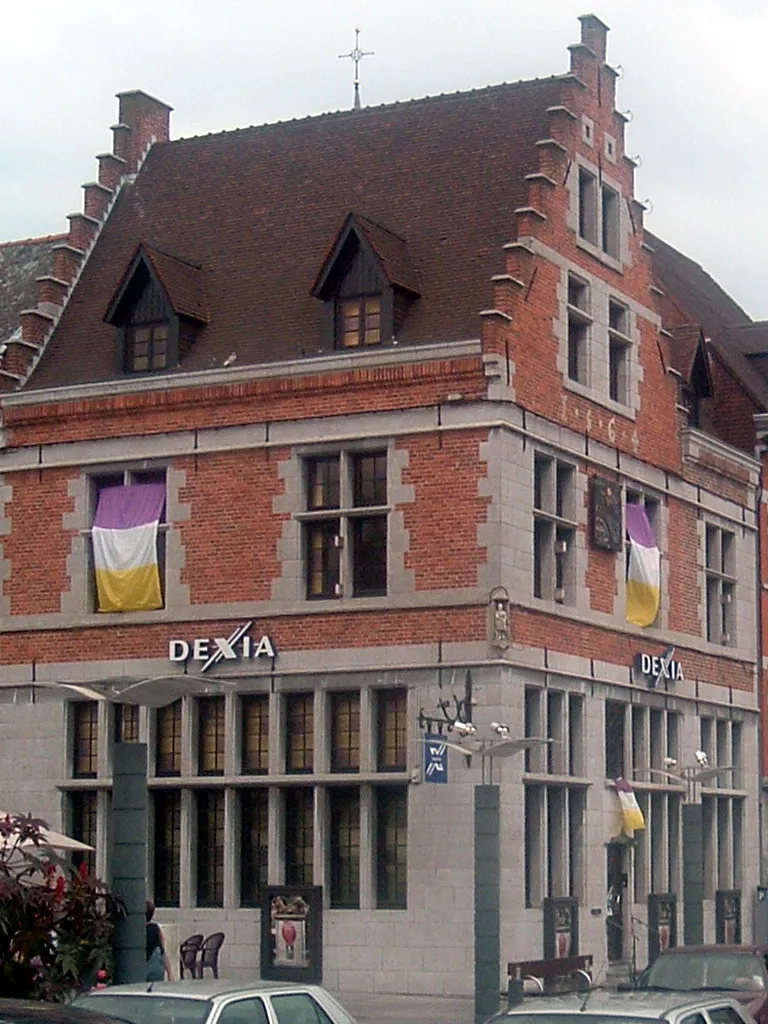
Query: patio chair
x=209 y=954
x=188 y=953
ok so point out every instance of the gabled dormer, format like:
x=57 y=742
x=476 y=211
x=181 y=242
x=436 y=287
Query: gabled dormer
x=367 y=283
x=689 y=358
x=158 y=309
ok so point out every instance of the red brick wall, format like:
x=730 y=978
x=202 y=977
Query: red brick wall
x=681 y=568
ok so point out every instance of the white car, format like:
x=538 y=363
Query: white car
x=217 y=1002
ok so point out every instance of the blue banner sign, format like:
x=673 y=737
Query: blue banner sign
x=435 y=759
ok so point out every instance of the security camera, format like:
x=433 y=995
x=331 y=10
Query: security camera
x=701 y=758
x=500 y=728
x=464 y=728
x=670 y=762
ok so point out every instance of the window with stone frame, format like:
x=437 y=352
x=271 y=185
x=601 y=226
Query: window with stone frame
x=344 y=811
x=126 y=723
x=299 y=732
x=619 y=352
x=211 y=719
x=85 y=738
x=298 y=828
x=345 y=731
x=579 y=330
x=554 y=529
x=98 y=482
x=599 y=214
x=392 y=729
x=345 y=525
x=166 y=858
x=210 y=848
x=254 y=844
x=168 y=739
x=391 y=812
x=555 y=795
x=720 y=572
x=83 y=816
x=254 y=718
x=652 y=508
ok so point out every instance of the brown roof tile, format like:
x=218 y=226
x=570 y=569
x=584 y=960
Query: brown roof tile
x=258 y=208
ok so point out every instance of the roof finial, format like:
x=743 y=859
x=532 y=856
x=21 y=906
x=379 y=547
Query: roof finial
x=357 y=55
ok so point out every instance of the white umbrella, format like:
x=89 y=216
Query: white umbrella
x=54 y=840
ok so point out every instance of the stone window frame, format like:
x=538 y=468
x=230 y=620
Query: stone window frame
x=720 y=584
x=590 y=187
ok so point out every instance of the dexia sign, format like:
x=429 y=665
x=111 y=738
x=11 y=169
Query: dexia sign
x=658 y=669
x=238 y=646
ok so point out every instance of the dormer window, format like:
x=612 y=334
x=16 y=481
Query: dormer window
x=367 y=284
x=157 y=311
x=360 y=321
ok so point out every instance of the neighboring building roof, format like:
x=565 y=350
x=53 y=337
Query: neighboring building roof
x=21 y=263
x=259 y=210
x=705 y=302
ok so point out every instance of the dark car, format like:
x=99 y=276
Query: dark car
x=740 y=971
x=27 y=1011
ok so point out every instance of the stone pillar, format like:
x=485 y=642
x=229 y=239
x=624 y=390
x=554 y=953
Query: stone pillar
x=129 y=857
x=693 y=875
x=487 y=902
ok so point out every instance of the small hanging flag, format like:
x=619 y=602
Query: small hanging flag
x=630 y=808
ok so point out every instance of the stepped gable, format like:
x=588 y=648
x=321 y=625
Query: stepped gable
x=259 y=209
x=21 y=264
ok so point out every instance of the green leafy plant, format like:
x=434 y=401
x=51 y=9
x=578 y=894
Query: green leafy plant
x=56 y=920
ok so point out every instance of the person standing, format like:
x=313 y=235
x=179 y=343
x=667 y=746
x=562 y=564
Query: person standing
x=158 y=964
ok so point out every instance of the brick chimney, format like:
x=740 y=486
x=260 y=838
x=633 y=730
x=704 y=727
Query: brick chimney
x=594 y=34
x=142 y=120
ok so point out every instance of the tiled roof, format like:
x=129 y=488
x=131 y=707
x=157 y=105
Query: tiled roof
x=182 y=281
x=393 y=253
x=258 y=209
x=683 y=345
x=21 y=263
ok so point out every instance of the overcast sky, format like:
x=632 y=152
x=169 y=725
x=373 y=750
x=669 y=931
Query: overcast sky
x=690 y=77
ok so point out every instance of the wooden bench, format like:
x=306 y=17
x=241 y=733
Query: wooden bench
x=552 y=975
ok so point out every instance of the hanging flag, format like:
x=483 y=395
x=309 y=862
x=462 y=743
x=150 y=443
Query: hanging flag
x=125 y=547
x=630 y=808
x=643 y=570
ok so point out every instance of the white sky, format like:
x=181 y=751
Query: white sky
x=691 y=78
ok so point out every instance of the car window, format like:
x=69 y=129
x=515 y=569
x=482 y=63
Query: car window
x=713 y=970
x=725 y=1015
x=299 y=1008
x=694 y=1018
x=154 y=1009
x=244 y=1011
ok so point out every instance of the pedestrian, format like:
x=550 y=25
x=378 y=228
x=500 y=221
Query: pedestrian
x=158 y=964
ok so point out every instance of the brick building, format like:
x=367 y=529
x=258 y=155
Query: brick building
x=418 y=400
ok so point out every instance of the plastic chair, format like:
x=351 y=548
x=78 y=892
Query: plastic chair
x=209 y=954
x=188 y=953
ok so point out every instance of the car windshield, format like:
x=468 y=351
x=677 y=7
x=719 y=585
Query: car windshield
x=577 y=1018
x=711 y=970
x=154 y=1009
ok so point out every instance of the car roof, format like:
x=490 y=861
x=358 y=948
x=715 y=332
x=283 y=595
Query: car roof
x=203 y=989
x=640 y=1004
x=717 y=948
x=34 y=1010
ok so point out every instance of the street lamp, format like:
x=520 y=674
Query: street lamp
x=487 y=847
x=690 y=776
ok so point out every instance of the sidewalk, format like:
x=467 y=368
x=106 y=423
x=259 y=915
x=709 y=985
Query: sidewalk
x=383 y=1008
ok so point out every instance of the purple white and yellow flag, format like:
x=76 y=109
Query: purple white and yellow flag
x=125 y=547
x=643 y=571
x=631 y=813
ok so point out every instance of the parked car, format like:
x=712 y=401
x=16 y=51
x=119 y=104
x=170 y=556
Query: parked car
x=600 y=1006
x=739 y=970
x=27 y=1011
x=218 y=1002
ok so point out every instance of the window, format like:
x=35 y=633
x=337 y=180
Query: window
x=210 y=735
x=579 y=324
x=168 y=739
x=85 y=739
x=615 y=723
x=299 y=1008
x=255 y=735
x=599 y=214
x=146 y=347
x=391 y=846
x=643 y=559
x=360 y=321
x=300 y=732
x=210 y=848
x=244 y=1011
x=345 y=525
x=83 y=809
x=619 y=349
x=126 y=723
x=167 y=848
x=554 y=809
x=345 y=732
x=554 y=530
x=392 y=727
x=299 y=836
x=116 y=584
x=721 y=585
x=345 y=846
x=254 y=844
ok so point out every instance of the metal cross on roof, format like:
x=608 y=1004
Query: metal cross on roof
x=357 y=55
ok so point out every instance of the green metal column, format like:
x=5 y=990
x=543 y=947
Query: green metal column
x=129 y=857
x=693 y=875
x=487 y=902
